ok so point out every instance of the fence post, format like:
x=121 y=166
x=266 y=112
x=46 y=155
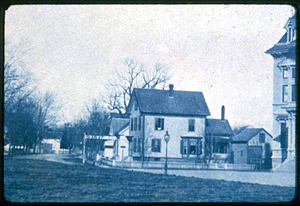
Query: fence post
x=83 y=155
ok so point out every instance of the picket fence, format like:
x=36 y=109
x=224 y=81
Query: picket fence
x=175 y=165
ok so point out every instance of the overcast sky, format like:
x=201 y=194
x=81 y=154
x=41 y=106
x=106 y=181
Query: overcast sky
x=216 y=49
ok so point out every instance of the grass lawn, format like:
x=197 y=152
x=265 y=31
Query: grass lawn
x=27 y=180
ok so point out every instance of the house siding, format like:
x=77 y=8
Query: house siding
x=137 y=134
x=255 y=141
x=177 y=127
x=237 y=149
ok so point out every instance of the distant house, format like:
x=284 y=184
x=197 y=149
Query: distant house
x=119 y=128
x=220 y=133
x=97 y=146
x=184 y=115
x=50 y=146
x=253 y=146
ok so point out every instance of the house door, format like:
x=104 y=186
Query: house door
x=255 y=155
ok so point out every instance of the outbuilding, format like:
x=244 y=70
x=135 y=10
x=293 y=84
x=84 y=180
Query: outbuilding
x=253 y=146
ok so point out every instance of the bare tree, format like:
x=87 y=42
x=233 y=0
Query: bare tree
x=47 y=114
x=98 y=119
x=135 y=76
x=17 y=80
x=238 y=129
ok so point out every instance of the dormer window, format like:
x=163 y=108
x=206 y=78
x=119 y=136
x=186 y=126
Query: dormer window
x=290 y=32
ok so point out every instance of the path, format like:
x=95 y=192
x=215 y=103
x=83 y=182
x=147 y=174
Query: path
x=49 y=157
x=265 y=178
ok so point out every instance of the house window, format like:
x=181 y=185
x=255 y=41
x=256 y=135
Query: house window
x=156 y=144
x=262 y=138
x=285 y=73
x=293 y=71
x=131 y=124
x=134 y=145
x=285 y=93
x=191 y=125
x=184 y=146
x=159 y=123
x=293 y=93
x=241 y=152
x=135 y=124
x=191 y=146
x=140 y=123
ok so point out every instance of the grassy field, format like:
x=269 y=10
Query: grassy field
x=27 y=180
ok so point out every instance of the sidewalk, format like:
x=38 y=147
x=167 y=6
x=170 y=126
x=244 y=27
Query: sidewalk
x=265 y=178
x=49 y=157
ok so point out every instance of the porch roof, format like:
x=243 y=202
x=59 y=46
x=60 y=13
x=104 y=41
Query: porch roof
x=191 y=137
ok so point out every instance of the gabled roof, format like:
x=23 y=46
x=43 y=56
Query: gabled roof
x=154 y=101
x=118 y=115
x=246 y=134
x=283 y=38
x=117 y=124
x=218 y=127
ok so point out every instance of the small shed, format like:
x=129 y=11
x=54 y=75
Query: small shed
x=253 y=146
x=50 y=146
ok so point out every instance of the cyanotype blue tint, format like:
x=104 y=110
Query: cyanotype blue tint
x=150 y=103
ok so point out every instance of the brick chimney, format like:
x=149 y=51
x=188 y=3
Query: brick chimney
x=171 y=90
x=223 y=113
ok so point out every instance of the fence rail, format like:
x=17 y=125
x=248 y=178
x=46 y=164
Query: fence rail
x=176 y=165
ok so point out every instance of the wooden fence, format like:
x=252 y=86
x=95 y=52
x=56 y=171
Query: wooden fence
x=175 y=165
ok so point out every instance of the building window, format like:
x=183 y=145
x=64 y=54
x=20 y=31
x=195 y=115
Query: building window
x=156 y=144
x=139 y=145
x=135 y=124
x=140 y=123
x=293 y=71
x=134 y=145
x=285 y=93
x=285 y=73
x=293 y=92
x=191 y=146
x=191 y=125
x=284 y=135
x=131 y=124
x=290 y=34
x=241 y=152
x=159 y=123
x=262 y=138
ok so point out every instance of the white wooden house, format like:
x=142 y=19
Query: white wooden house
x=181 y=113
